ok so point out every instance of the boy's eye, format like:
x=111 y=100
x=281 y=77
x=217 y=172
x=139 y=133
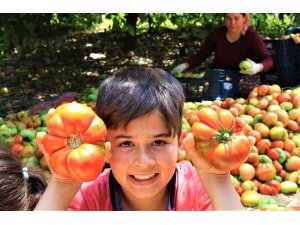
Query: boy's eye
x=126 y=144
x=158 y=143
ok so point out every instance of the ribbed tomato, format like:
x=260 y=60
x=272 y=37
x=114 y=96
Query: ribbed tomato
x=217 y=140
x=75 y=142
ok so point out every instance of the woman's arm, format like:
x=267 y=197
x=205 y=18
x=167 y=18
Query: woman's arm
x=260 y=52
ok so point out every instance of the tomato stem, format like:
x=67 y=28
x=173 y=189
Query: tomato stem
x=224 y=135
x=74 y=141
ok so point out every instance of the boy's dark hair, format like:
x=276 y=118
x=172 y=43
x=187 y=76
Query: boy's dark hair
x=16 y=192
x=135 y=91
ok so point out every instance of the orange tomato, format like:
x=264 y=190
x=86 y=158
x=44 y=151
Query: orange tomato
x=217 y=140
x=265 y=171
x=75 y=142
x=263 y=129
x=262 y=89
x=293 y=126
x=270 y=119
x=263 y=145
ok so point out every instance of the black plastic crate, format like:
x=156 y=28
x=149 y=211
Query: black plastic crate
x=193 y=88
x=293 y=30
x=283 y=51
x=285 y=78
x=222 y=84
x=286 y=65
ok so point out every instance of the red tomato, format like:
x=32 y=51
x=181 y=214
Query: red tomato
x=18 y=139
x=75 y=142
x=272 y=154
x=270 y=119
x=216 y=140
x=283 y=97
x=277 y=166
x=254 y=133
x=240 y=125
x=289 y=145
x=263 y=145
x=16 y=148
x=262 y=89
x=271 y=188
x=238 y=189
x=295 y=100
x=293 y=126
x=253 y=158
x=265 y=171
x=277 y=144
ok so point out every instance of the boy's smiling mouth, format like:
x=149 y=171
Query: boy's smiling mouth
x=145 y=179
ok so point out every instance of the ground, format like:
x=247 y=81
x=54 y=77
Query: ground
x=63 y=62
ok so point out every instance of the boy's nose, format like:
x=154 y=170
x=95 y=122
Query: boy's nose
x=144 y=157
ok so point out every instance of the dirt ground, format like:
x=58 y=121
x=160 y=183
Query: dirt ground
x=72 y=61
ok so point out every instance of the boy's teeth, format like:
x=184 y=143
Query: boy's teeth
x=143 y=177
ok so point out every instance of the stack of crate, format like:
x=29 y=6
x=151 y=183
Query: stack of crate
x=286 y=58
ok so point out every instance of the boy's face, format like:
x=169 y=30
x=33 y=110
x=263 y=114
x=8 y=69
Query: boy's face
x=143 y=156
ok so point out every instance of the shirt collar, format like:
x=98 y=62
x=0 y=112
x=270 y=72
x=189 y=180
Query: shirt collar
x=114 y=187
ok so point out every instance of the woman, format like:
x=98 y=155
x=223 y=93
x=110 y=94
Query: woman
x=232 y=44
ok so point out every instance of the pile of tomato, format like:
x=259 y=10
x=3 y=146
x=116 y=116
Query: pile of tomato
x=257 y=139
x=270 y=119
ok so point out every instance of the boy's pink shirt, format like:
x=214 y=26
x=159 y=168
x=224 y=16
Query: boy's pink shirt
x=189 y=192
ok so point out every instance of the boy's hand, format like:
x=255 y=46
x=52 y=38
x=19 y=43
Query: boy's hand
x=200 y=163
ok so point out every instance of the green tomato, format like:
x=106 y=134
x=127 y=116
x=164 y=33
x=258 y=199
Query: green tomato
x=250 y=198
x=278 y=178
x=28 y=134
x=296 y=139
x=264 y=202
x=288 y=187
x=245 y=65
x=264 y=159
x=282 y=156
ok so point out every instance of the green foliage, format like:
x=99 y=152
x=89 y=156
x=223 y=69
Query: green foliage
x=274 y=24
x=18 y=30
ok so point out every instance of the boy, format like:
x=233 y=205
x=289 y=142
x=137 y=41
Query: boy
x=142 y=109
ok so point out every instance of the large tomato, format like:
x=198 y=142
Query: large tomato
x=75 y=142
x=217 y=140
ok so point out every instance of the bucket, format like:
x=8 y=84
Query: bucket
x=222 y=84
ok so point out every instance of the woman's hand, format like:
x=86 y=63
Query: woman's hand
x=255 y=68
x=179 y=68
x=200 y=163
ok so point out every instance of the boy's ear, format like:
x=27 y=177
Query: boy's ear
x=108 y=153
